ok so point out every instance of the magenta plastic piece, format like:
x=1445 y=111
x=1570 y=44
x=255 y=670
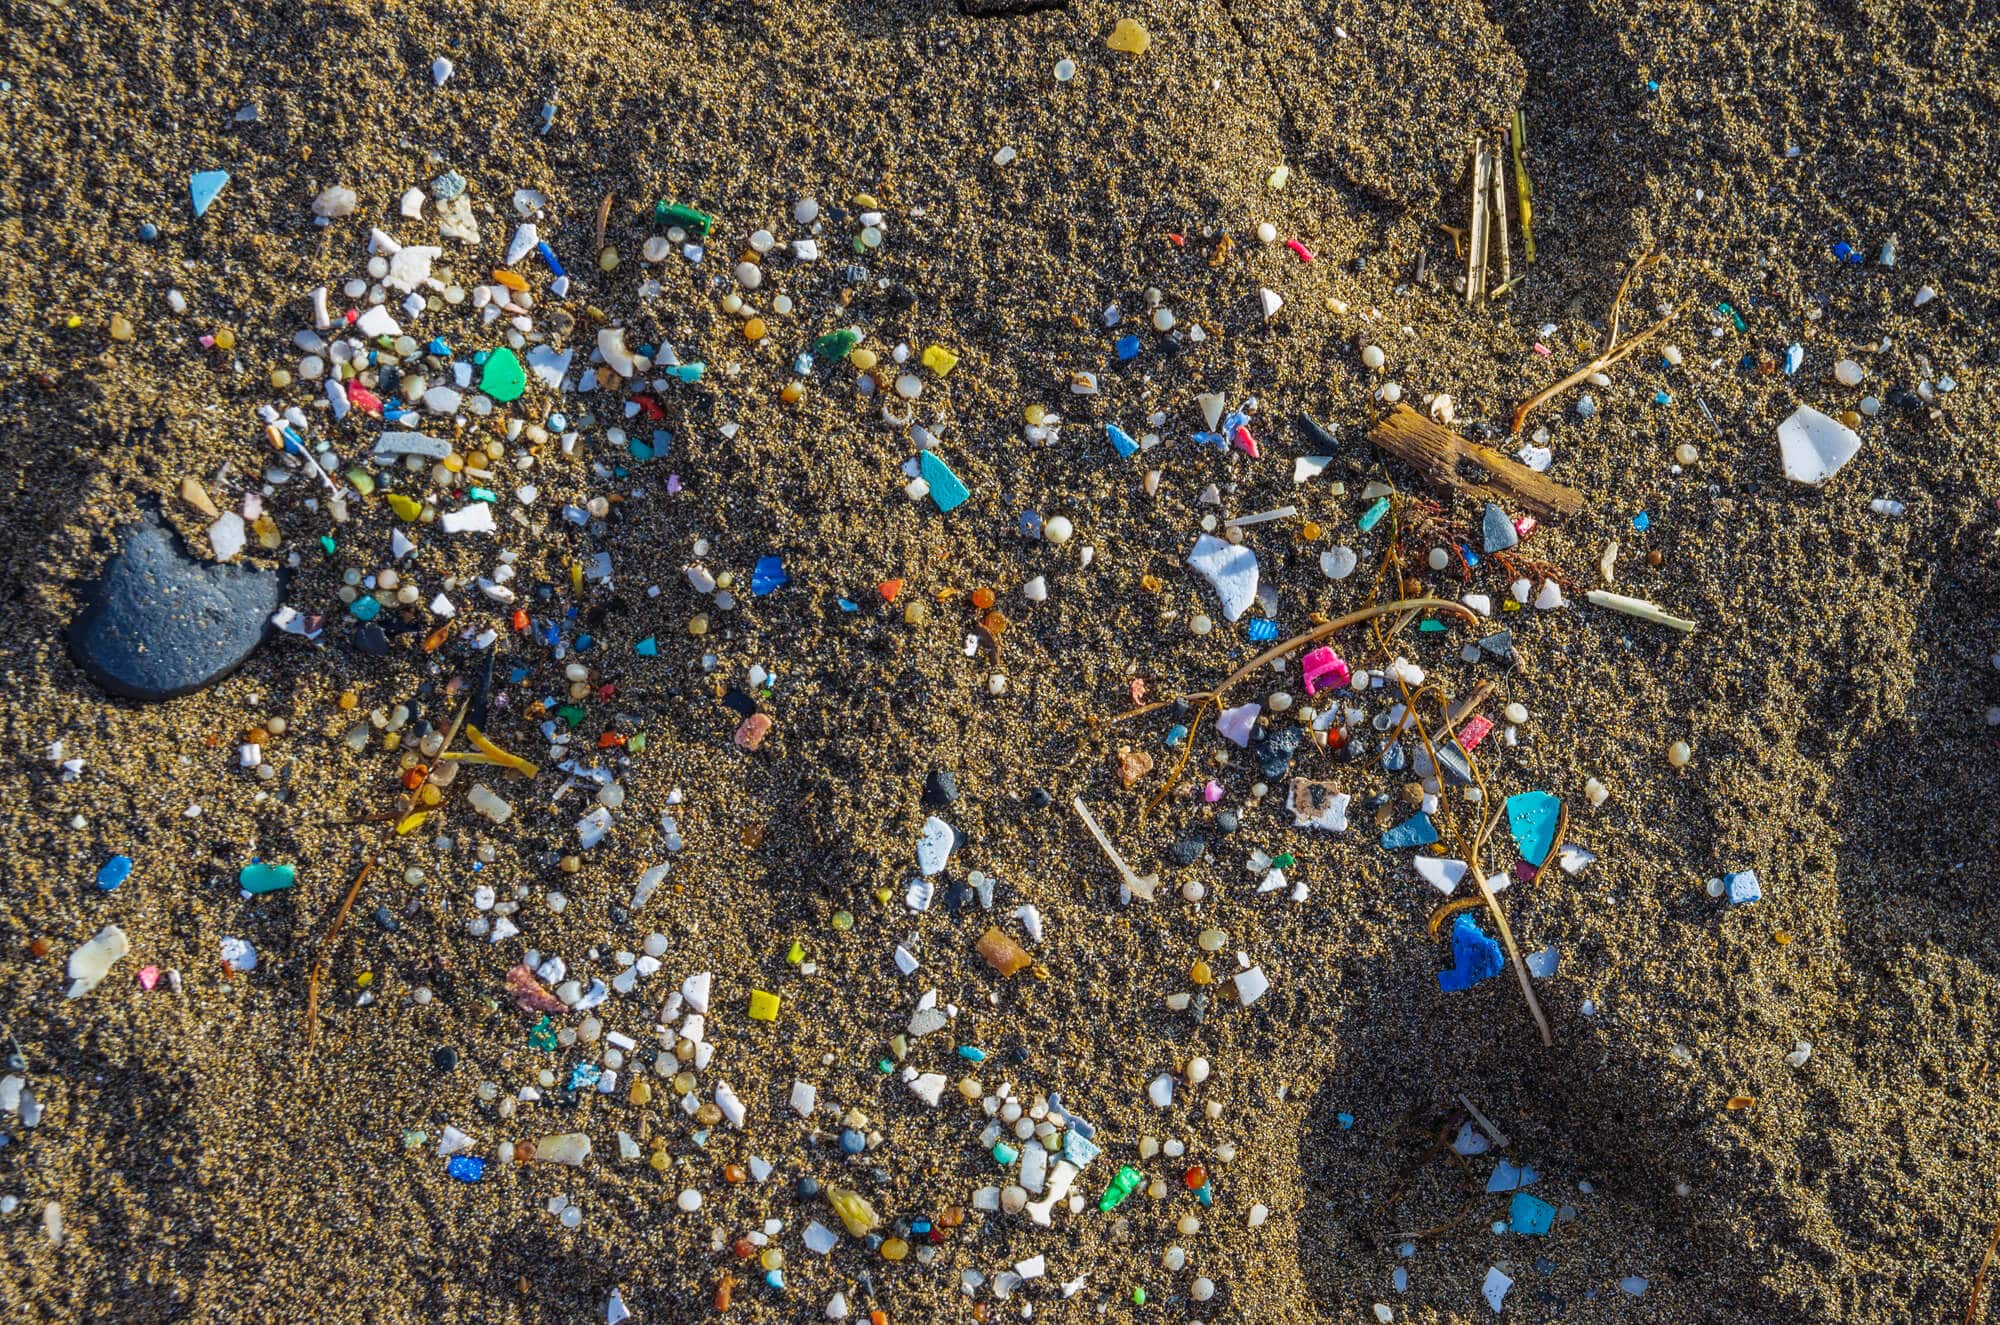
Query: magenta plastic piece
x=1324 y=668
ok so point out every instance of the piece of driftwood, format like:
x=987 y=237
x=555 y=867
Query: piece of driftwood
x=1447 y=460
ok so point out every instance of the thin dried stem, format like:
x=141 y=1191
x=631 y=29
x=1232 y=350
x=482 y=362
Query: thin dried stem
x=1506 y=930
x=1979 y=1280
x=603 y=220
x=324 y=957
x=1597 y=365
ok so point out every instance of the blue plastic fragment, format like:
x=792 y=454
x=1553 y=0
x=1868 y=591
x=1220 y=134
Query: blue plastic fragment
x=972 y=1053
x=549 y=256
x=848 y=605
x=1176 y=734
x=1415 y=831
x=1531 y=818
x=1031 y=524
x=1346 y=1121
x=365 y=607
x=947 y=489
x=1530 y=1215
x=769 y=576
x=114 y=872
x=583 y=642
x=1795 y=357
x=1205 y=1193
x=1214 y=439
x=685 y=372
x=1742 y=887
x=584 y=1075
x=466 y=1168
x=1262 y=631
x=203 y=186
x=1509 y=1176
x=1127 y=448
x=439 y=347
x=1128 y=347
x=1474 y=957
x=1373 y=515
x=648 y=647
x=1642 y=521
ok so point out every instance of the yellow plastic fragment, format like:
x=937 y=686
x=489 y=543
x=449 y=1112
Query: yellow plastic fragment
x=490 y=753
x=855 y=1212
x=764 y=1007
x=1129 y=36
x=576 y=577
x=940 y=360
x=412 y=822
x=405 y=506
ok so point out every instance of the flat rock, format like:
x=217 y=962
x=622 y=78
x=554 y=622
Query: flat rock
x=160 y=623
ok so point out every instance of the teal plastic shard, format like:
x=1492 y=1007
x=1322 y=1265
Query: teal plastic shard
x=947 y=489
x=1531 y=818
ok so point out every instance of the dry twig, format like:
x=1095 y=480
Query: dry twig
x=1613 y=351
x=324 y=957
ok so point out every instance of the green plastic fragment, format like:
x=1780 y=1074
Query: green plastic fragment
x=637 y=745
x=503 y=378
x=1373 y=515
x=796 y=953
x=1734 y=316
x=571 y=714
x=363 y=481
x=1139 y=1297
x=484 y=494
x=257 y=877
x=684 y=216
x=1283 y=861
x=328 y=545
x=1122 y=1186
x=1430 y=626
x=365 y=608
x=836 y=344
x=543 y=1035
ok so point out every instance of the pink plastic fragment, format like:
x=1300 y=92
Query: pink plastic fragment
x=1305 y=254
x=148 y=976
x=1474 y=731
x=1324 y=668
x=1211 y=791
x=1245 y=442
x=1542 y=350
x=1525 y=525
x=1523 y=871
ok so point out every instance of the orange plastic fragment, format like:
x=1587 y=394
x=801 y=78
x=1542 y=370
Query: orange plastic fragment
x=517 y=284
x=609 y=739
x=1002 y=953
x=889 y=589
x=1737 y=1102
x=982 y=598
x=519 y=620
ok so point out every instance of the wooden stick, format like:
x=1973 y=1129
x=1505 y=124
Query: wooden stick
x=1437 y=452
x=324 y=957
x=1979 y=1279
x=1497 y=178
x=1475 y=243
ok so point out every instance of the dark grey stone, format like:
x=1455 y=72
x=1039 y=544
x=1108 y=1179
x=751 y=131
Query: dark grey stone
x=1497 y=530
x=160 y=622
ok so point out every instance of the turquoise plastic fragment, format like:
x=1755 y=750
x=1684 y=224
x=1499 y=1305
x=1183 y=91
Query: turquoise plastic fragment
x=1415 y=831
x=1531 y=818
x=648 y=647
x=1373 y=515
x=1530 y=1215
x=365 y=607
x=203 y=186
x=947 y=489
x=257 y=877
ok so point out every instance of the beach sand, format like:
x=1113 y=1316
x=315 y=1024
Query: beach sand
x=1835 y=694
